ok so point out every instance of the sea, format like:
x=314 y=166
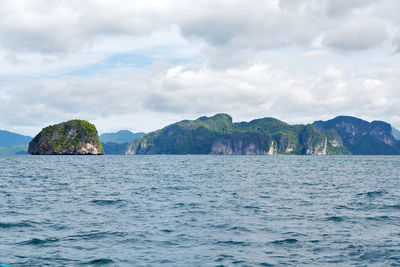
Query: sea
x=200 y=210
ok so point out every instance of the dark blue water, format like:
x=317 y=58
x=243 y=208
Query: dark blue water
x=199 y=210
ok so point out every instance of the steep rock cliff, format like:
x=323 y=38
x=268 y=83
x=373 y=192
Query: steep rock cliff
x=244 y=144
x=313 y=142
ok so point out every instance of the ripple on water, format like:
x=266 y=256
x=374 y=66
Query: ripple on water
x=16 y=224
x=38 y=241
x=239 y=229
x=233 y=243
x=102 y=261
x=283 y=242
x=391 y=207
x=95 y=235
x=375 y=193
x=335 y=218
x=105 y=202
x=379 y=218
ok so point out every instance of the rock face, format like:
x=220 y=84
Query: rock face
x=362 y=137
x=314 y=142
x=75 y=137
x=244 y=144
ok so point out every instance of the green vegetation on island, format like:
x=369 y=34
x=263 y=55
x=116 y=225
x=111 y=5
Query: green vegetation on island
x=342 y=135
x=67 y=138
x=219 y=135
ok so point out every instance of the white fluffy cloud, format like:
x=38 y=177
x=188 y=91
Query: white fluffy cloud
x=109 y=62
x=245 y=92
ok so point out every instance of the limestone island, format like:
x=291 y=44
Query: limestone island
x=74 y=137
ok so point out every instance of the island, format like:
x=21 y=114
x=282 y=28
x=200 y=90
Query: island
x=218 y=135
x=74 y=137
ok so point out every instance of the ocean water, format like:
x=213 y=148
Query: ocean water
x=199 y=210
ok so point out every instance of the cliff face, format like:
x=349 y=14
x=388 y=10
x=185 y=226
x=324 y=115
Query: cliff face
x=244 y=144
x=362 y=137
x=284 y=144
x=75 y=137
x=313 y=141
x=219 y=135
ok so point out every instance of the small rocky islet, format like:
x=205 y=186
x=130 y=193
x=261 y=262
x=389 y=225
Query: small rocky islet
x=74 y=137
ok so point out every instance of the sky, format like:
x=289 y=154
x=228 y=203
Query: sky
x=141 y=65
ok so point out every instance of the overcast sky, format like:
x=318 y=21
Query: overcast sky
x=140 y=65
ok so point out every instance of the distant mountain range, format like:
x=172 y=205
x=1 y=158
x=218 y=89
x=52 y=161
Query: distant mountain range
x=9 y=138
x=116 y=143
x=119 y=137
x=13 y=143
x=219 y=135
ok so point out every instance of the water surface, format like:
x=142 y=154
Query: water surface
x=199 y=210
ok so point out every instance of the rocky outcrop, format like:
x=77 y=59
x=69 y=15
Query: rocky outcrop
x=244 y=144
x=75 y=137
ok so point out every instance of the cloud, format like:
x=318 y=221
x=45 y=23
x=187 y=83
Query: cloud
x=64 y=27
x=59 y=27
x=297 y=60
x=357 y=35
x=246 y=92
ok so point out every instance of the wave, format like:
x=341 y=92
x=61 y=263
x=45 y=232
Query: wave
x=235 y=243
x=335 y=219
x=104 y=202
x=38 y=241
x=285 y=241
x=375 y=193
x=15 y=224
x=100 y=262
